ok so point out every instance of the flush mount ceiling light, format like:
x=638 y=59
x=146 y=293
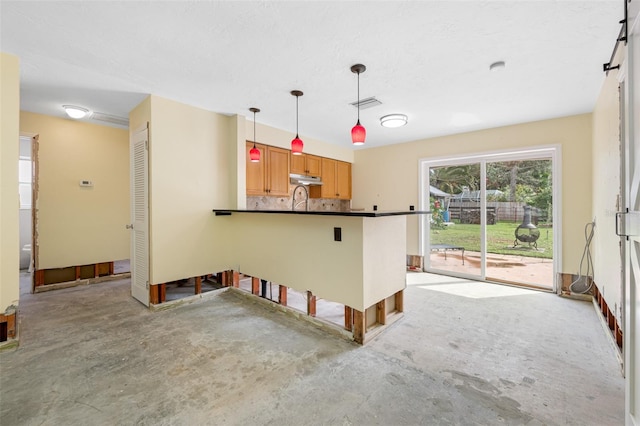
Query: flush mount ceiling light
x=496 y=66
x=75 y=111
x=296 y=143
x=393 y=120
x=358 y=133
x=254 y=153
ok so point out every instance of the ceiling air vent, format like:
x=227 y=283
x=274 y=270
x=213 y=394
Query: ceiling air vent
x=120 y=121
x=367 y=103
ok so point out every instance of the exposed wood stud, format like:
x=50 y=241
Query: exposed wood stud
x=618 y=333
x=38 y=277
x=112 y=268
x=96 y=270
x=282 y=295
x=154 y=295
x=11 y=324
x=77 y=272
x=236 y=278
x=358 y=326
x=348 y=318
x=198 y=285
x=400 y=301
x=381 y=312
x=255 y=286
x=311 y=304
x=611 y=320
x=162 y=292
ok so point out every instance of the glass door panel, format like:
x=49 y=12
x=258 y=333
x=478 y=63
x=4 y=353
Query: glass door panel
x=519 y=230
x=454 y=242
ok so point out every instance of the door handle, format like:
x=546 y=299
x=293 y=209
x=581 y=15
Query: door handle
x=618 y=232
x=630 y=223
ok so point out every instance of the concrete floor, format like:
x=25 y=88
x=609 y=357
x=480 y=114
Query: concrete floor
x=465 y=354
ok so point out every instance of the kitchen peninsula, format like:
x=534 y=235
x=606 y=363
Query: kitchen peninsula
x=357 y=258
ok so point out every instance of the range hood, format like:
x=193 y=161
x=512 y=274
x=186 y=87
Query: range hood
x=296 y=179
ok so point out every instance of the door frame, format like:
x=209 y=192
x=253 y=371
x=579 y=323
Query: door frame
x=554 y=152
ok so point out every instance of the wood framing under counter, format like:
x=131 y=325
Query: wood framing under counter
x=353 y=258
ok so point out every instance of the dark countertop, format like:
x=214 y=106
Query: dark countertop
x=357 y=213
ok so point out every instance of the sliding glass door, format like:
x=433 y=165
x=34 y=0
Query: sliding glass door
x=519 y=227
x=492 y=217
x=454 y=226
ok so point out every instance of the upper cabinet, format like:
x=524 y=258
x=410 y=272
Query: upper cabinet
x=269 y=176
x=306 y=164
x=336 y=180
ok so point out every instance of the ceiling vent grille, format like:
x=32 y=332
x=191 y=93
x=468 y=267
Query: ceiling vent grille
x=120 y=121
x=367 y=103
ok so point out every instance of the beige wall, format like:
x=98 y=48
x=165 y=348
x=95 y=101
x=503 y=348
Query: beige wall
x=80 y=225
x=9 y=143
x=190 y=174
x=388 y=176
x=299 y=251
x=281 y=138
x=606 y=190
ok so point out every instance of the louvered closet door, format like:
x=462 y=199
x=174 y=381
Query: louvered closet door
x=140 y=216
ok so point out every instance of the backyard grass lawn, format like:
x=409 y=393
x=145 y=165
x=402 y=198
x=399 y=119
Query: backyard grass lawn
x=500 y=239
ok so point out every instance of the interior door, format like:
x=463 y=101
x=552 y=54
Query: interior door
x=139 y=154
x=630 y=219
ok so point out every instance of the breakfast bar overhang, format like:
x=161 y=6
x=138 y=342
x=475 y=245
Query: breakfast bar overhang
x=357 y=259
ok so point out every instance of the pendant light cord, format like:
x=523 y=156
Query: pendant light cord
x=297 y=116
x=358 y=97
x=254 y=129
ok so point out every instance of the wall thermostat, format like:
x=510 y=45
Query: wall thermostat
x=86 y=183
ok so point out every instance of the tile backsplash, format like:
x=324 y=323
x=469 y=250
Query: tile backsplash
x=284 y=203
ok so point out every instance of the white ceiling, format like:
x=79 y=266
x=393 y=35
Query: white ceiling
x=427 y=59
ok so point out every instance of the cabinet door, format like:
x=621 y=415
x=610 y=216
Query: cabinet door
x=256 y=184
x=343 y=180
x=313 y=165
x=277 y=172
x=298 y=165
x=328 y=188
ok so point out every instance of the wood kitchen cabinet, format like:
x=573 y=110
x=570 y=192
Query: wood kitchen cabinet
x=336 y=180
x=305 y=164
x=269 y=176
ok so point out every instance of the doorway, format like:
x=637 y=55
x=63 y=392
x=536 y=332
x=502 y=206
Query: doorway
x=25 y=188
x=493 y=217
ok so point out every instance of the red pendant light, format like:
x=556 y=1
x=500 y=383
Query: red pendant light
x=254 y=153
x=358 y=133
x=296 y=143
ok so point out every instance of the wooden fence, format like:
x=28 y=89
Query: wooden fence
x=503 y=211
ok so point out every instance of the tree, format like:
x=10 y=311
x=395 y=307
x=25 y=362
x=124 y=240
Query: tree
x=451 y=179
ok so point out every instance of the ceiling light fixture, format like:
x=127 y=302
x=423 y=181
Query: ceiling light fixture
x=358 y=133
x=393 y=120
x=75 y=111
x=296 y=143
x=254 y=153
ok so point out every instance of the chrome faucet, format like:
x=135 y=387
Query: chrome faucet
x=306 y=200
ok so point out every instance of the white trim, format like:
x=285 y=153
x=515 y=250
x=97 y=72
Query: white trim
x=552 y=151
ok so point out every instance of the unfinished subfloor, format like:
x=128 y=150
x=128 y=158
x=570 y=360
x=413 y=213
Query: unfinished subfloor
x=466 y=353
